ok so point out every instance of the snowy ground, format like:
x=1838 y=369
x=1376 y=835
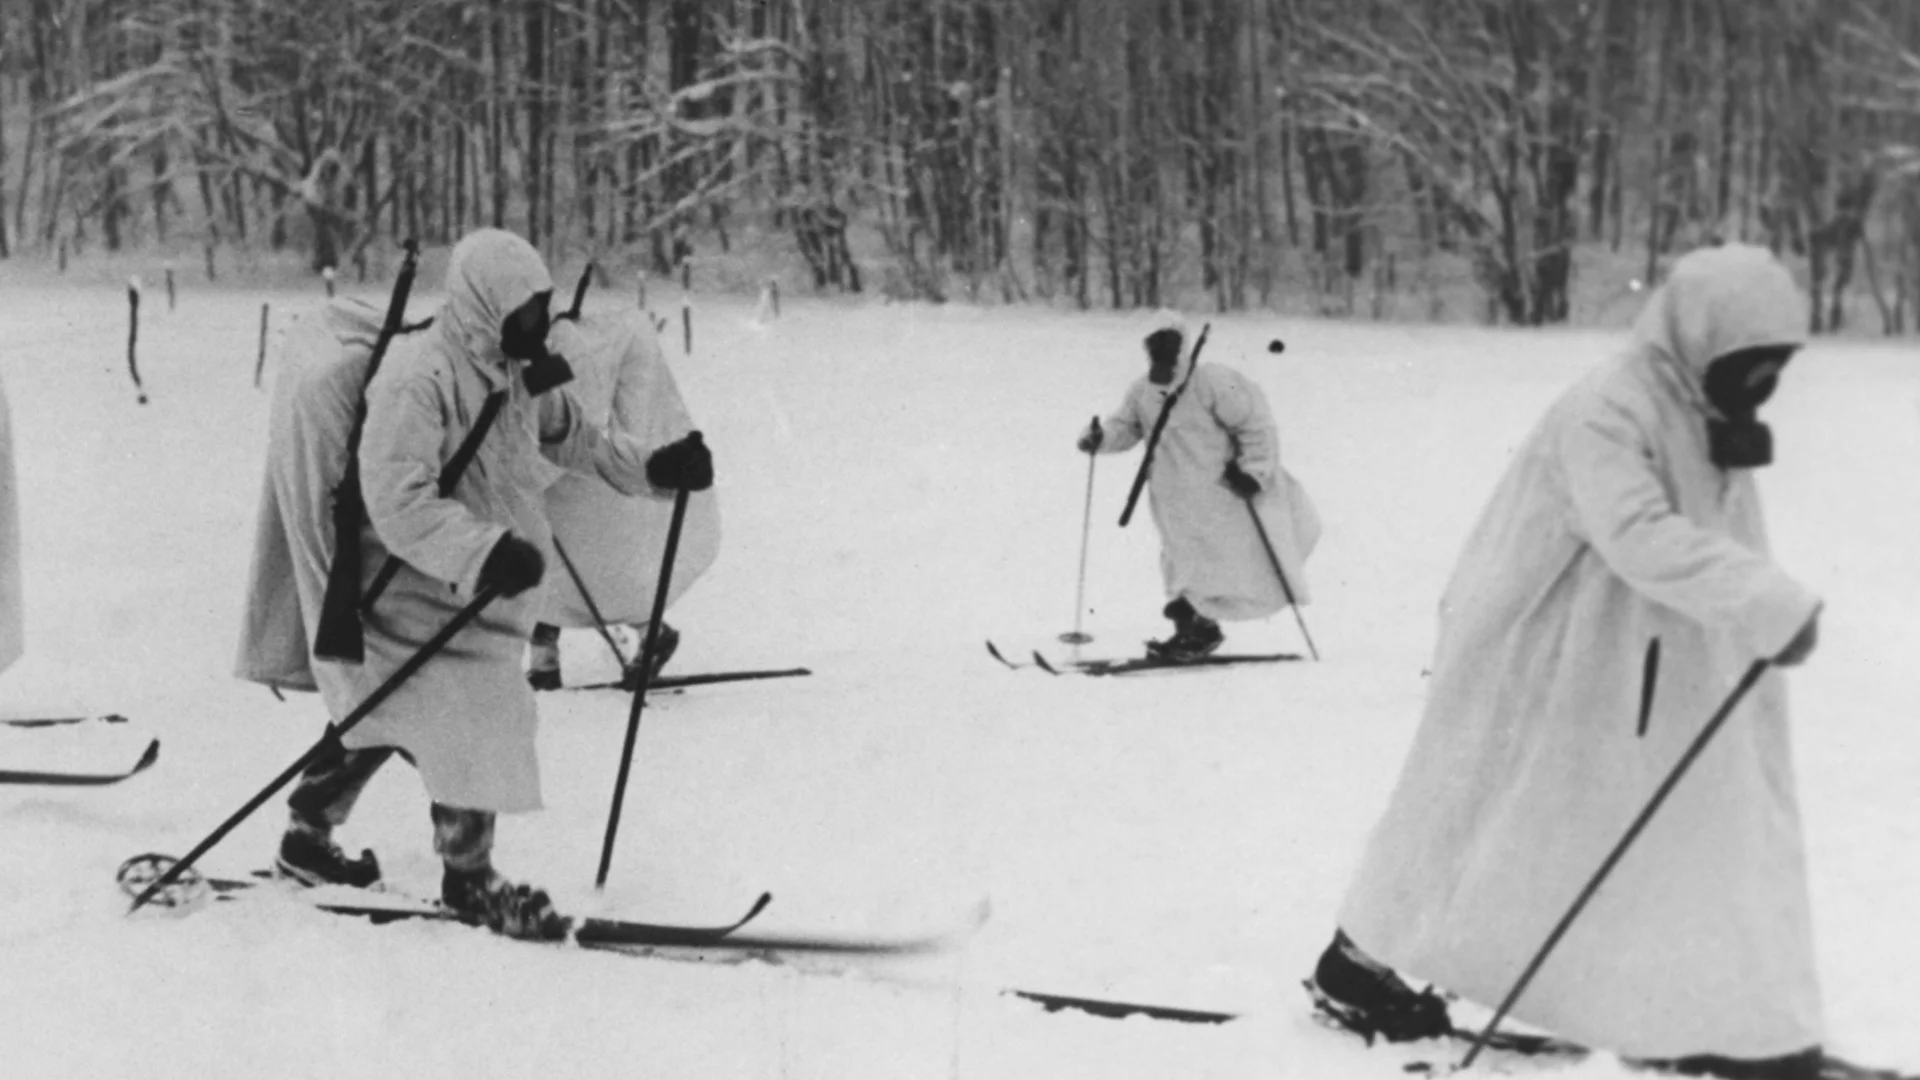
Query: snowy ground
x=897 y=484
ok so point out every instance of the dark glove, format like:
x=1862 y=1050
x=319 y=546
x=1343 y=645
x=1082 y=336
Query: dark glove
x=513 y=566
x=681 y=466
x=523 y=337
x=1091 y=438
x=546 y=371
x=1243 y=485
x=1802 y=644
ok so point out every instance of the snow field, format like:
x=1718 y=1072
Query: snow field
x=897 y=484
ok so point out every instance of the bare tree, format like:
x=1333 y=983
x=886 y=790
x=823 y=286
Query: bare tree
x=1483 y=101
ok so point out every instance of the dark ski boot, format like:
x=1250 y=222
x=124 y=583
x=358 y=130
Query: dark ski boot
x=310 y=857
x=484 y=898
x=1194 y=635
x=1366 y=997
x=663 y=650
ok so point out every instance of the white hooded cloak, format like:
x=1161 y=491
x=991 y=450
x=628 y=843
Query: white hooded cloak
x=616 y=540
x=1210 y=550
x=1612 y=528
x=466 y=718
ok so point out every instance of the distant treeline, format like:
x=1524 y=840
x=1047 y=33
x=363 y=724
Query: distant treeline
x=1100 y=152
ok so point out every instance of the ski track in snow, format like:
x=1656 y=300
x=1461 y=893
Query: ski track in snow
x=897 y=484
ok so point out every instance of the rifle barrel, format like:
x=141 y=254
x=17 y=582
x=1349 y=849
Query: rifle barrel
x=1159 y=426
x=338 y=635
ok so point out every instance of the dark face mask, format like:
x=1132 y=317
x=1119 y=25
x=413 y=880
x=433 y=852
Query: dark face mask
x=1737 y=384
x=1163 y=356
x=523 y=337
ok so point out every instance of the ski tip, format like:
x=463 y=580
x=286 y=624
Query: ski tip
x=1044 y=666
x=147 y=759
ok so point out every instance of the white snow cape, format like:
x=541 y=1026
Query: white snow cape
x=1611 y=529
x=616 y=541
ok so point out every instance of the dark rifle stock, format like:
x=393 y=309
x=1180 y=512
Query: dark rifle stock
x=1160 y=425
x=338 y=635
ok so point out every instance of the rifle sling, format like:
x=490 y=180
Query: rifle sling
x=450 y=474
x=456 y=465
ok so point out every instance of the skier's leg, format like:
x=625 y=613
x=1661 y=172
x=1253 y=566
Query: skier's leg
x=469 y=885
x=463 y=838
x=543 y=667
x=322 y=799
x=325 y=793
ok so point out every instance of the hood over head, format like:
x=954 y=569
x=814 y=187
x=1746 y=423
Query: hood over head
x=1717 y=301
x=1166 y=331
x=1166 y=319
x=491 y=273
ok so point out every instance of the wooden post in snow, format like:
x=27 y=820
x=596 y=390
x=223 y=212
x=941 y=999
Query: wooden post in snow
x=260 y=364
x=133 y=336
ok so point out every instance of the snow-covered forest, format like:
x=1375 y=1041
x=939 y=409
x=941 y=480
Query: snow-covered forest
x=1457 y=159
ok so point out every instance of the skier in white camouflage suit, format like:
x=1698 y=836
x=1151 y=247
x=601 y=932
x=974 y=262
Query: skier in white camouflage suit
x=1218 y=455
x=466 y=719
x=614 y=539
x=1622 y=562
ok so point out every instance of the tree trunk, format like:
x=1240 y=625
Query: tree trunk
x=6 y=248
x=533 y=156
x=113 y=207
x=496 y=149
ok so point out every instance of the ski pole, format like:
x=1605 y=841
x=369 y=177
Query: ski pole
x=1660 y=794
x=1286 y=589
x=1649 y=676
x=360 y=712
x=599 y=622
x=645 y=677
x=1086 y=526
